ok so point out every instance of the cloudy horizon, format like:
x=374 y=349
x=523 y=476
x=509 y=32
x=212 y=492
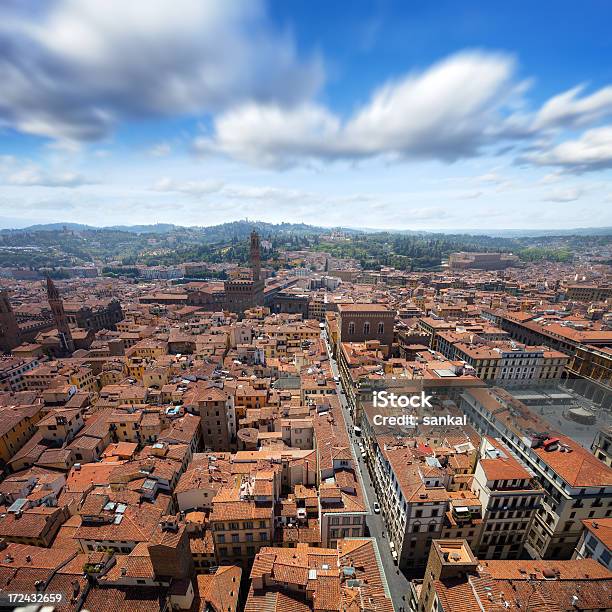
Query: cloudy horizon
x=199 y=113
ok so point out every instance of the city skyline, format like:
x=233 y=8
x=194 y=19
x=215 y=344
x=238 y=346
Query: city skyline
x=381 y=117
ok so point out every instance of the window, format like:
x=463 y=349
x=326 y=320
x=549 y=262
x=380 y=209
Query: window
x=351 y=329
x=381 y=329
x=366 y=328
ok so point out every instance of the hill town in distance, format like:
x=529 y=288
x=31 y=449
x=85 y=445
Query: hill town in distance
x=286 y=417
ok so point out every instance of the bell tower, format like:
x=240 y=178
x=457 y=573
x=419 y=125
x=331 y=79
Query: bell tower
x=255 y=256
x=61 y=321
x=9 y=328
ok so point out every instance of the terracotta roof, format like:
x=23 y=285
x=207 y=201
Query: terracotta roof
x=579 y=468
x=601 y=529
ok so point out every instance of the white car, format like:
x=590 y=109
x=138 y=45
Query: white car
x=336 y=379
x=376 y=508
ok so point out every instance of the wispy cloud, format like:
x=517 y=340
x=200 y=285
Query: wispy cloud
x=570 y=194
x=427 y=115
x=160 y=150
x=590 y=152
x=83 y=66
x=194 y=188
x=33 y=176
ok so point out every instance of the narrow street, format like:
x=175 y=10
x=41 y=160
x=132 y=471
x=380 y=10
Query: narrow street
x=399 y=585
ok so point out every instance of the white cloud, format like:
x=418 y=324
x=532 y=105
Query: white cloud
x=194 y=188
x=232 y=192
x=34 y=176
x=570 y=110
x=552 y=177
x=591 y=151
x=81 y=66
x=263 y=193
x=448 y=112
x=571 y=194
x=427 y=213
x=271 y=136
x=470 y=195
x=65 y=146
x=491 y=177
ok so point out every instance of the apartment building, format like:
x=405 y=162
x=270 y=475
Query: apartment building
x=464 y=517
x=201 y=482
x=577 y=485
x=602 y=445
x=36 y=526
x=17 y=426
x=242 y=517
x=362 y=322
x=240 y=528
x=215 y=407
x=342 y=505
x=509 y=363
x=307 y=579
x=12 y=370
x=588 y=293
x=455 y=579
x=106 y=524
x=596 y=542
x=510 y=498
x=61 y=424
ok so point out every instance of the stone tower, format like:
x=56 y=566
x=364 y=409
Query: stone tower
x=61 y=321
x=9 y=329
x=255 y=256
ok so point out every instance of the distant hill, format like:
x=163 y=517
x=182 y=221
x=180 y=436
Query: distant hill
x=241 y=229
x=525 y=233
x=158 y=228
x=50 y=227
x=237 y=227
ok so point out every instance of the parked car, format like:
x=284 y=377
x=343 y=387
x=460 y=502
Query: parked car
x=376 y=508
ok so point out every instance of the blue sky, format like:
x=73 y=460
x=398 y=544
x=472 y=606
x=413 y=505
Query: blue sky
x=413 y=115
